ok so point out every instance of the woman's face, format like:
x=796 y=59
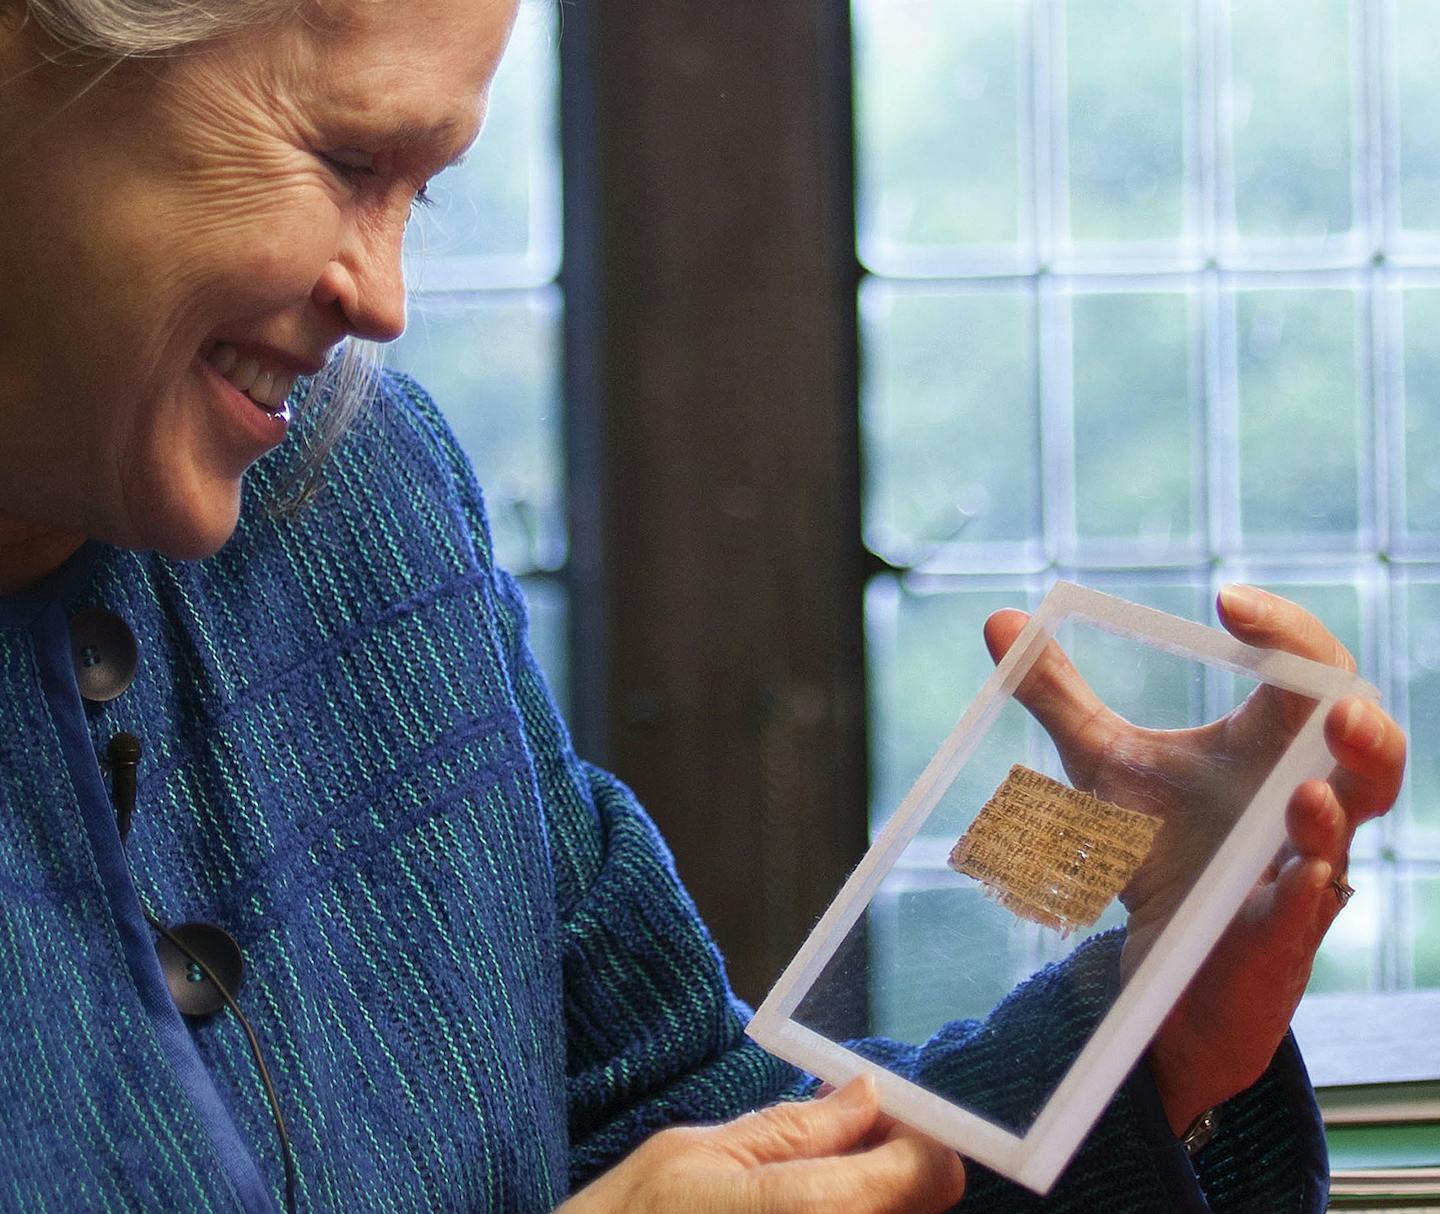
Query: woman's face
x=180 y=220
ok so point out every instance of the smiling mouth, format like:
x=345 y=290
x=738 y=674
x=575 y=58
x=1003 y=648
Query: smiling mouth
x=267 y=387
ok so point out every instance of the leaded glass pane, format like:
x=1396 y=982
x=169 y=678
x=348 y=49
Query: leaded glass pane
x=1420 y=411
x=940 y=104
x=1300 y=418
x=1139 y=451
x=496 y=218
x=1417 y=46
x=927 y=659
x=1290 y=118
x=950 y=417
x=493 y=361
x=1126 y=148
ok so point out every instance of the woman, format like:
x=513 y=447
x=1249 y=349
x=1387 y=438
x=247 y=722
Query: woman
x=477 y=982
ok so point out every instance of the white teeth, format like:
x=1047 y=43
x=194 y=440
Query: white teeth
x=268 y=389
x=224 y=357
x=243 y=376
x=280 y=390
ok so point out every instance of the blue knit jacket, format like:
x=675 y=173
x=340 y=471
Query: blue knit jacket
x=476 y=977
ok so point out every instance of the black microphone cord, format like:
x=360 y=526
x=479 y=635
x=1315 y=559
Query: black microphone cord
x=286 y=1152
x=123 y=754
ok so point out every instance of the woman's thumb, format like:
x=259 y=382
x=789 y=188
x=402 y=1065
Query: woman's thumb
x=807 y=1129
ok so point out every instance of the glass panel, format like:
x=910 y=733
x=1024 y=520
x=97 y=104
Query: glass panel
x=953 y=443
x=1421 y=672
x=492 y=363
x=937 y=109
x=1163 y=691
x=1421 y=410
x=927 y=660
x=1137 y=459
x=937 y=947
x=500 y=210
x=1290 y=108
x=927 y=971
x=1299 y=415
x=950 y=423
x=1125 y=68
x=1418 y=50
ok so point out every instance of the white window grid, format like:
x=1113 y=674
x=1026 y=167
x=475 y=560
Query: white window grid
x=1212 y=263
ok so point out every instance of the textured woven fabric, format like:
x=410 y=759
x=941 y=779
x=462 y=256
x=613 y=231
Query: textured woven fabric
x=473 y=970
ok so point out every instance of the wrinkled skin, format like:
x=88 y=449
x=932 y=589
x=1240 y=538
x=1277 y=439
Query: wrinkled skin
x=255 y=190
x=839 y=1153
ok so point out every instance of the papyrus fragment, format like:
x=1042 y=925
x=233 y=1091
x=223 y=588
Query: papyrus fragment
x=1051 y=853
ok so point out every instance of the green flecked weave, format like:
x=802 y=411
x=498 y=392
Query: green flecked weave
x=472 y=968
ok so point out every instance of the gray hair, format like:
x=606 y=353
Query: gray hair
x=126 y=29
x=115 y=30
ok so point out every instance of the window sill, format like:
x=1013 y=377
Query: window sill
x=1351 y=1040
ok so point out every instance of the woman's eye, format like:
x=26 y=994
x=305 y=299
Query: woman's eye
x=349 y=164
x=354 y=165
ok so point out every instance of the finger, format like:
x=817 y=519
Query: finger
x=1278 y=935
x=802 y=1130
x=885 y=1129
x=1057 y=696
x=1268 y=621
x=1370 y=750
x=1304 y=904
x=1282 y=924
x=1316 y=824
x=907 y=1174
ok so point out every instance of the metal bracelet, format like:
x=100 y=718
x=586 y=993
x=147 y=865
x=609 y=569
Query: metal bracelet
x=1200 y=1131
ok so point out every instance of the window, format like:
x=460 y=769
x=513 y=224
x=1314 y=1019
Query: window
x=1130 y=265
x=1151 y=302
x=485 y=322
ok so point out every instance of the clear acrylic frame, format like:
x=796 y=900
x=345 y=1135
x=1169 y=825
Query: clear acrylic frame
x=1036 y=1152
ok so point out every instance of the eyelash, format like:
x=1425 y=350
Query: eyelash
x=358 y=172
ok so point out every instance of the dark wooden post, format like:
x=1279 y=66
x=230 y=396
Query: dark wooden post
x=714 y=458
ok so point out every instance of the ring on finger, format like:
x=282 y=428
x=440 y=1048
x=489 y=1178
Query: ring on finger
x=1344 y=891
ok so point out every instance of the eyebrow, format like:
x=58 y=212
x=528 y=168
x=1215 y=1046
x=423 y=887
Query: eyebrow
x=411 y=132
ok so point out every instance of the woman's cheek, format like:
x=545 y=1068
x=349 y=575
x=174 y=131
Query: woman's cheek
x=270 y=238
x=283 y=261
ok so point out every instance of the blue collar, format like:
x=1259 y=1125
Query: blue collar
x=23 y=609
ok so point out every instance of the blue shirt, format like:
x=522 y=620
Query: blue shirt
x=475 y=975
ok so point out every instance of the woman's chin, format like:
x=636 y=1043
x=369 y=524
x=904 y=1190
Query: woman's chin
x=196 y=547
x=189 y=527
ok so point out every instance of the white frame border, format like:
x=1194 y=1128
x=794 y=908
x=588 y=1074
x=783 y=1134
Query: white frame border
x=1036 y=1158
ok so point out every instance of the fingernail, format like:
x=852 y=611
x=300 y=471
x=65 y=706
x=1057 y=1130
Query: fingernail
x=1361 y=730
x=1243 y=604
x=855 y=1094
x=1320 y=874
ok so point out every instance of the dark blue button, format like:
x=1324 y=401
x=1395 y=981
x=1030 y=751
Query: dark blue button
x=105 y=654
x=192 y=990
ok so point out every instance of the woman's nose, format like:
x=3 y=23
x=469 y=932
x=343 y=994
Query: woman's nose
x=366 y=281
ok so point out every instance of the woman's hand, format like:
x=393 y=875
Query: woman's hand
x=838 y=1153
x=1224 y=1031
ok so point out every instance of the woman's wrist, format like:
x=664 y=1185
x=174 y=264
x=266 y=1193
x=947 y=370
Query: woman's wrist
x=1184 y=1100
